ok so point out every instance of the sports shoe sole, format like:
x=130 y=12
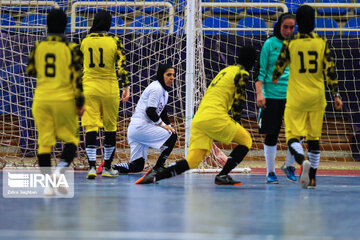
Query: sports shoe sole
x=139 y=181
x=304 y=178
x=291 y=180
x=274 y=182
x=108 y=175
x=91 y=176
x=224 y=184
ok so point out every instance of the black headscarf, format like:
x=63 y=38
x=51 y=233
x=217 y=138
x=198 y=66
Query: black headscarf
x=102 y=22
x=305 y=18
x=56 y=21
x=160 y=74
x=277 y=27
x=246 y=56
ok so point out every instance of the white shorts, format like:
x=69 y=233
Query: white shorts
x=143 y=136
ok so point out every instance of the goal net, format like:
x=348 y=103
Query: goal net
x=232 y=23
x=155 y=32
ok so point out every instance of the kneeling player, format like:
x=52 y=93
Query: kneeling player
x=149 y=125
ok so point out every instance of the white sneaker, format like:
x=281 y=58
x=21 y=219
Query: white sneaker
x=109 y=172
x=49 y=191
x=304 y=177
x=91 y=173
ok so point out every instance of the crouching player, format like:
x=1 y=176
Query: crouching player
x=226 y=92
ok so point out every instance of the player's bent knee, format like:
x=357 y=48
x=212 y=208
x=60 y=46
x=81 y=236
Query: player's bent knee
x=137 y=165
x=243 y=137
x=195 y=157
x=247 y=142
x=171 y=140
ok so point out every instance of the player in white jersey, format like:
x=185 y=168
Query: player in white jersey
x=149 y=125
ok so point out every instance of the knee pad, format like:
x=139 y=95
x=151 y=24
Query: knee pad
x=271 y=139
x=90 y=138
x=137 y=165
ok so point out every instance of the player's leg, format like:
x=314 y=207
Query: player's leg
x=138 y=154
x=288 y=166
x=194 y=158
x=314 y=158
x=244 y=141
x=130 y=167
x=314 y=134
x=67 y=129
x=110 y=106
x=199 y=147
x=91 y=121
x=90 y=148
x=270 y=121
x=166 y=150
x=46 y=138
x=270 y=148
x=151 y=136
x=296 y=123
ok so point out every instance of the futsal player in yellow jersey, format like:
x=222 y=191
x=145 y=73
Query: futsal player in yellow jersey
x=212 y=122
x=58 y=98
x=104 y=62
x=309 y=59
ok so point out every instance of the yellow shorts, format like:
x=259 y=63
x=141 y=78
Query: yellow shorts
x=100 y=112
x=56 y=119
x=203 y=133
x=303 y=124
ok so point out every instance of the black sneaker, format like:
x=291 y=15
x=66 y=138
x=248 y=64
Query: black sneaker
x=121 y=168
x=149 y=177
x=226 y=180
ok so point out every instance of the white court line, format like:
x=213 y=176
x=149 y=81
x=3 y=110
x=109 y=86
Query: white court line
x=85 y=234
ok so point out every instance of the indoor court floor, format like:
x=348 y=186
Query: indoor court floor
x=188 y=206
